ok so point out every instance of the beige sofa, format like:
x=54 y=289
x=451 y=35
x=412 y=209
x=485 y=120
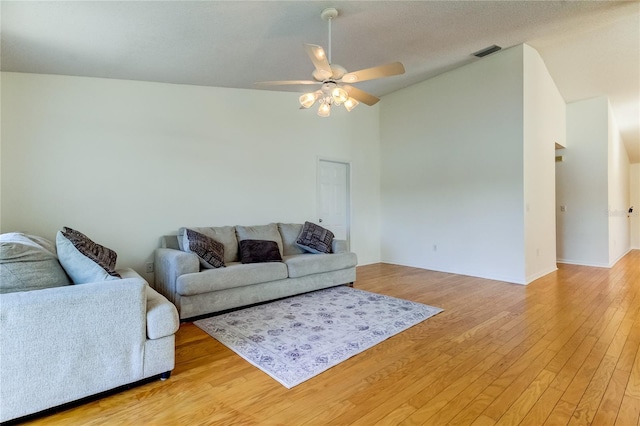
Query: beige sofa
x=199 y=292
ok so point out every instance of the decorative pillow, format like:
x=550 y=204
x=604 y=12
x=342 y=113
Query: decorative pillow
x=28 y=262
x=258 y=251
x=84 y=260
x=262 y=232
x=315 y=239
x=222 y=234
x=209 y=251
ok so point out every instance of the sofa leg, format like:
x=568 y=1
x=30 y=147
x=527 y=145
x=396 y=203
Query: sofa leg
x=350 y=284
x=165 y=375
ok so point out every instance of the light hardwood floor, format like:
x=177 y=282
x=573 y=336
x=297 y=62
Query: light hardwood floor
x=562 y=350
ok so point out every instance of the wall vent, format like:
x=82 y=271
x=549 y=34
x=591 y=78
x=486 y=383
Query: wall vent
x=487 y=51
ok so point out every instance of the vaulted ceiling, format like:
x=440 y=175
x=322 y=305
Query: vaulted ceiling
x=591 y=48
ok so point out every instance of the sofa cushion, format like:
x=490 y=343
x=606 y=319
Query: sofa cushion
x=84 y=260
x=259 y=251
x=209 y=251
x=263 y=232
x=301 y=265
x=222 y=234
x=28 y=262
x=289 y=233
x=314 y=238
x=234 y=275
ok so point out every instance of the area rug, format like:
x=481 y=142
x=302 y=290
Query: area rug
x=296 y=338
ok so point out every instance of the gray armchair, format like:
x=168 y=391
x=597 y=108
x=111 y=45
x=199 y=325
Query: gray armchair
x=62 y=344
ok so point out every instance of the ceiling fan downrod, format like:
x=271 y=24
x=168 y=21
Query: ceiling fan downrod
x=328 y=14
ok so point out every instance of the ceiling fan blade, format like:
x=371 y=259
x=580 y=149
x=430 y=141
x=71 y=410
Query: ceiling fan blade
x=285 y=82
x=387 y=70
x=361 y=95
x=319 y=59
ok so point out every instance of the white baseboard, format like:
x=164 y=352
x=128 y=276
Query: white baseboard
x=580 y=263
x=620 y=257
x=537 y=275
x=467 y=273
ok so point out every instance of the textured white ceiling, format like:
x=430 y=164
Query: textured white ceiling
x=590 y=48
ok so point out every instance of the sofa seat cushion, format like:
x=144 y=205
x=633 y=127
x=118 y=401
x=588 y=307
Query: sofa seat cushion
x=234 y=275
x=162 y=316
x=301 y=265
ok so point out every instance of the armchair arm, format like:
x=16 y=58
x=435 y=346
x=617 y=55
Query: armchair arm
x=169 y=265
x=162 y=316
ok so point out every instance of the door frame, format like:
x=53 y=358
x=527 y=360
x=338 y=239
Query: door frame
x=320 y=159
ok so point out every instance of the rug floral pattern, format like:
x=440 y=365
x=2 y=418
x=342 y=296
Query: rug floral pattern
x=299 y=337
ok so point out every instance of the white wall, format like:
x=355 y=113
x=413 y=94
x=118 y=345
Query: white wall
x=634 y=217
x=544 y=125
x=583 y=185
x=126 y=162
x=619 y=231
x=452 y=171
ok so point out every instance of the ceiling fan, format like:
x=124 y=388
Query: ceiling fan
x=332 y=78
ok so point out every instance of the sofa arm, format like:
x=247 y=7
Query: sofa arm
x=339 y=246
x=169 y=265
x=61 y=344
x=162 y=316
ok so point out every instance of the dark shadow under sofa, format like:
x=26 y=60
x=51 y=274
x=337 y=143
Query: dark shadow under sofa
x=197 y=291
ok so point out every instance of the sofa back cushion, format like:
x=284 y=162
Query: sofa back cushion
x=289 y=233
x=222 y=234
x=28 y=262
x=262 y=232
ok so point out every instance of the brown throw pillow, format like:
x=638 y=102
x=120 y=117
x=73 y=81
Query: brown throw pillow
x=209 y=251
x=101 y=255
x=258 y=251
x=315 y=239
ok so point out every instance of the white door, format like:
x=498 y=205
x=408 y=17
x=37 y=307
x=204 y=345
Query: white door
x=333 y=197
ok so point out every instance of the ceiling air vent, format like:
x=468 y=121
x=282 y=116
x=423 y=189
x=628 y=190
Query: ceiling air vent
x=487 y=51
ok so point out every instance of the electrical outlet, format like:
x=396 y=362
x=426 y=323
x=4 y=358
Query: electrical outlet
x=149 y=267
x=435 y=247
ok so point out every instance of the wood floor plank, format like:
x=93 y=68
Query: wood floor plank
x=538 y=414
x=563 y=350
x=458 y=404
x=612 y=398
x=527 y=399
x=561 y=414
x=629 y=412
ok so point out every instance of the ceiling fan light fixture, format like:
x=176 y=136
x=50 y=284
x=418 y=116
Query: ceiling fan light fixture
x=324 y=110
x=339 y=95
x=308 y=99
x=350 y=104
